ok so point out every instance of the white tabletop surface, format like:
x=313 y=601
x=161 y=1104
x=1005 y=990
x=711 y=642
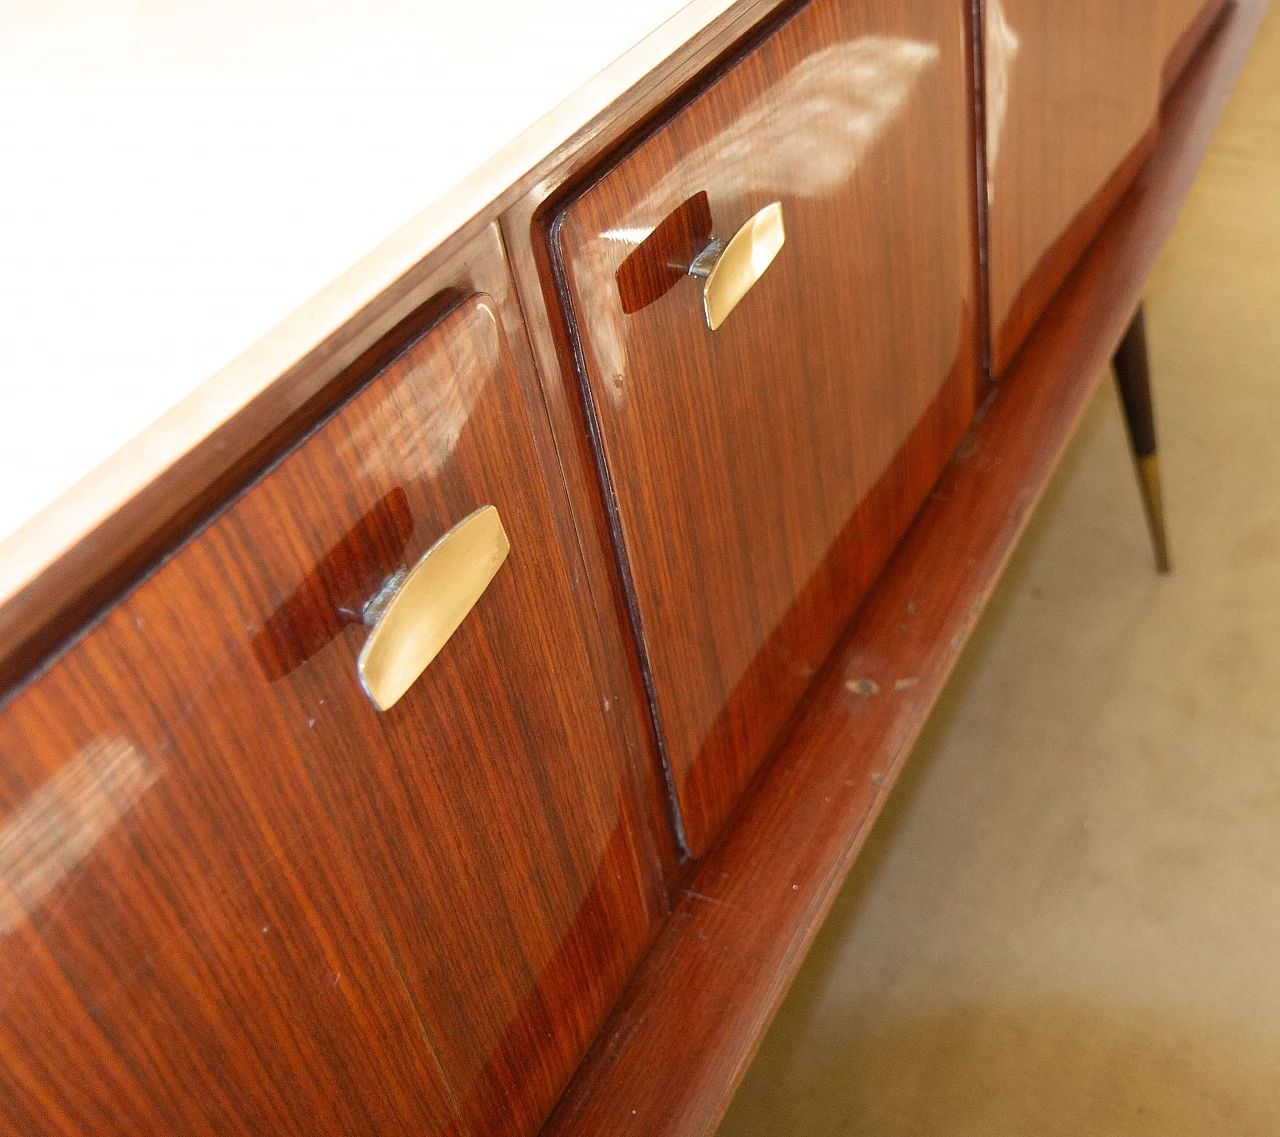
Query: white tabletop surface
x=181 y=175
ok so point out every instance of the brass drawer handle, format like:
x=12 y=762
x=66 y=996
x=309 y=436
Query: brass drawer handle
x=417 y=611
x=729 y=273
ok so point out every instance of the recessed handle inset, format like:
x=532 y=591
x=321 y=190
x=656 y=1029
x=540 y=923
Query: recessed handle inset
x=417 y=611
x=729 y=273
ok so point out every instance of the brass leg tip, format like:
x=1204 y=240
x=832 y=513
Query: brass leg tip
x=1153 y=504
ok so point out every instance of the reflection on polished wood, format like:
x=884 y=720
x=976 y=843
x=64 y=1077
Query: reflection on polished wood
x=1072 y=91
x=663 y=258
x=234 y=898
x=762 y=473
x=684 y=1032
x=335 y=593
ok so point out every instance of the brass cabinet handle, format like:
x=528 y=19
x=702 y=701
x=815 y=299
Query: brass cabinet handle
x=417 y=611
x=729 y=273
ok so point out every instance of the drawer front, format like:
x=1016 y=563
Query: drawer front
x=1072 y=91
x=234 y=897
x=762 y=472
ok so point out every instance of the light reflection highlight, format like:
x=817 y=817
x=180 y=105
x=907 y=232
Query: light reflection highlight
x=628 y=237
x=1000 y=45
x=802 y=137
x=61 y=822
x=419 y=446
x=807 y=132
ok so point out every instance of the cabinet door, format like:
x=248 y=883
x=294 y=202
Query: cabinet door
x=237 y=898
x=1072 y=92
x=761 y=473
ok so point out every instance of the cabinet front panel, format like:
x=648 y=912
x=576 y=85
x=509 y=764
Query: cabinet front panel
x=761 y=472
x=236 y=898
x=1072 y=93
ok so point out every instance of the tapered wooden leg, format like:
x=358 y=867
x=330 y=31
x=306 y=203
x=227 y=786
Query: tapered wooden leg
x=1134 y=381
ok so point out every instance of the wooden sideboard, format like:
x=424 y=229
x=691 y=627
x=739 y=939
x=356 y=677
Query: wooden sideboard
x=748 y=388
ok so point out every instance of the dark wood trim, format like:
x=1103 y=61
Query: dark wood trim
x=684 y=1032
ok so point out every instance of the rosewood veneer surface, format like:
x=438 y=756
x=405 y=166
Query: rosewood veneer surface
x=689 y=1022
x=234 y=898
x=1072 y=89
x=1072 y=96
x=761 y=474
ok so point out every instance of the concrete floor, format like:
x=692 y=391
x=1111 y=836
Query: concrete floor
x=1068 y=919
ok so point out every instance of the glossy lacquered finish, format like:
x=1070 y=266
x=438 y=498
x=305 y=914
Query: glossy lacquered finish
x=1072 y=92
x=761 y=473
x=235 y=897
x=685 y=1030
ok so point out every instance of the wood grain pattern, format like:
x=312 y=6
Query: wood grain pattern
x=655 y=266
x=762 y=473
x=526 y=228
x=1072 y=92
x=334 y=594
x=235 y=897
x=686 y=1028
x=152 y=495
x=99 y=538
x=116 y=550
